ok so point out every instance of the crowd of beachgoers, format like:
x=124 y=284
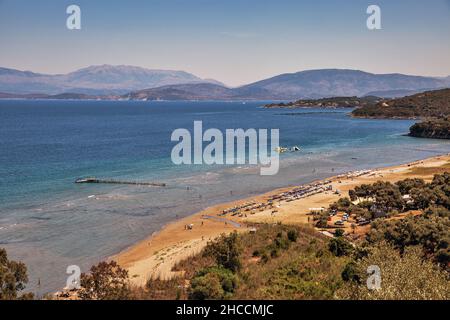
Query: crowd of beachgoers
x=296 y=193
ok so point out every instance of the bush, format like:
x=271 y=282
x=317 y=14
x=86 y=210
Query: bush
x=403 y=277
x=340 y=247
x=338 y=233
x=226 y=251
x=322 y=222
x=106 y=281
x=281 y=243
x=292 y=235
x=214 y=283
x=350 y=272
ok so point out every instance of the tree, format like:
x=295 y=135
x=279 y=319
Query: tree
x=106 y=281
x=338 y=233
x=213 y=283
x=405 y=186
x=431 y=232
x=350 y=272
x=403 y=277
x=13 y=278
x=226 y=251
x=340 y=247
x=292 y=235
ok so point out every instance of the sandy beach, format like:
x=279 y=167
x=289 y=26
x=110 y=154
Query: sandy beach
x=156 y=255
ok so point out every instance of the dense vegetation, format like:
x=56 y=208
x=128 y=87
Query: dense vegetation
x=429 y=228
x=335 y=102
x=427 y=104
x=435 y=128
x=403 y=276
x=276 y=262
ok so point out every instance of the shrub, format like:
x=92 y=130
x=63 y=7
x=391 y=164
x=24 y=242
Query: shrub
x=340 y=247
x=292 y=235
x=350 y=272
x=226 y=251
x=403 y=277
x=213 y=284
x=106 y=281
x=338 y=233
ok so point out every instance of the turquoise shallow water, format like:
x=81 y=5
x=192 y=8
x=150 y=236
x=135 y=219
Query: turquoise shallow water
x=50 y=223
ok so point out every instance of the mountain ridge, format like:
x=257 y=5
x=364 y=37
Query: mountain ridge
x=93 y=80
x=130 y=82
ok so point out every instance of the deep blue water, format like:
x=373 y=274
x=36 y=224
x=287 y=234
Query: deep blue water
x=50 y=222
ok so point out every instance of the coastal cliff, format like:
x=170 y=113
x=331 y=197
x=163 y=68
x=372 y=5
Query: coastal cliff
x=435 y=129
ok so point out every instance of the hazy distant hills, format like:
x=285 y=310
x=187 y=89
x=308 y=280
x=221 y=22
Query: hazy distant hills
x=94 y=80
x=338 y=82
x=302 y=85
x=127 y=82
x=199 y=91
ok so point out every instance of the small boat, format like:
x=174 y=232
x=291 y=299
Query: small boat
x=295 y=149
x=85 y=180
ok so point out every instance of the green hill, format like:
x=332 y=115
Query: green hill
x=427 y=104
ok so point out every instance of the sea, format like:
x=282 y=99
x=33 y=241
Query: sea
x=49 y=222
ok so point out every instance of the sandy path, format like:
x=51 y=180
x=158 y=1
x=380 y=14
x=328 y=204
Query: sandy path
x=155 y=256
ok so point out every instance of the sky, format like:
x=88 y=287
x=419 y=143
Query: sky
x=233 y=41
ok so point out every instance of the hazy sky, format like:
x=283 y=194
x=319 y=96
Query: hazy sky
x=234 y=41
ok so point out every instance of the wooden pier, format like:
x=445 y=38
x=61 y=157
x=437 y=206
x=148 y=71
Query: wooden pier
x=112 y=181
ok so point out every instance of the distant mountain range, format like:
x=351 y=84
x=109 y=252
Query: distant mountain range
x=126 y=82
x=339 y=82
x=94 y=80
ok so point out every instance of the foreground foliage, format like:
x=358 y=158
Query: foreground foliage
x=106 y=281
x=13 y=278
x=404 y=276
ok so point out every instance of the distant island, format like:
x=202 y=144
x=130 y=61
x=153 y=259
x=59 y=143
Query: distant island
x=334 y=102
x=431 y=106
x=426 y=104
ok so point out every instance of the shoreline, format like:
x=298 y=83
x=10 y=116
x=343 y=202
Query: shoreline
x=155 y=256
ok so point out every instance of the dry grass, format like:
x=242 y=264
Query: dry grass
x=425 y=171
x=305 y=269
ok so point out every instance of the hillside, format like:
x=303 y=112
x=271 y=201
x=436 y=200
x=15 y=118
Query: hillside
x=427 y=104
x=200 y=91
x=335 y=102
